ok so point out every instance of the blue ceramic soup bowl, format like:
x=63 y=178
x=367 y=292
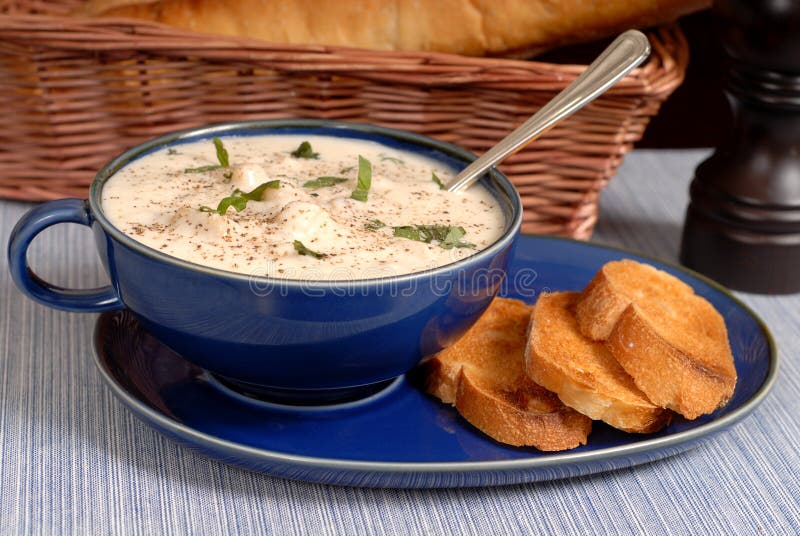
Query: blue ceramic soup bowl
x=290 y=339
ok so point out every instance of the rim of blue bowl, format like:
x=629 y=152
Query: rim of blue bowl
x=231 y=128
x=686 y=437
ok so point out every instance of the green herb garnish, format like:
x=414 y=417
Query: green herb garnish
x=374 y=225
x=438 y=181
x=238 y=199
x=385 y=158
x=302 y=250
x=322 y=182
x=305 y=151
x=202 y=169
x=347 y=169
x=453 y=239
x=222 y=158
x=364 y=179
x=448 y=236
x=222 y=153
x=411 y=232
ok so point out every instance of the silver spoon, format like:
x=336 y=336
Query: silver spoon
x=622 y=55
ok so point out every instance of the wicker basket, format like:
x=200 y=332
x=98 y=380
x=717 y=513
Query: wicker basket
x=75 y=92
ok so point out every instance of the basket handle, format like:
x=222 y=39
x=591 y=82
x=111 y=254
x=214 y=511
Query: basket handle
x=29 y=226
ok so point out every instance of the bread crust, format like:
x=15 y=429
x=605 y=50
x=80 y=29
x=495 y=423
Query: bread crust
x=670 y=377
x=506 y=415
x=471 y=27
x=91 y=8
x=672 y=342
x=483 y=376
x=613 y=288
x=582 y=372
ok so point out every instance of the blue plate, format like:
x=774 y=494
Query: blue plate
x=401 y=437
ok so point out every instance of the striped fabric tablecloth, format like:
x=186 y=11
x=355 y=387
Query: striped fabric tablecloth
x=73 y=460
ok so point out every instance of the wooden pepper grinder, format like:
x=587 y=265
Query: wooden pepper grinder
x=743 y=222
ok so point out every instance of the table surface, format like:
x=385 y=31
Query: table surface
x=73 y=460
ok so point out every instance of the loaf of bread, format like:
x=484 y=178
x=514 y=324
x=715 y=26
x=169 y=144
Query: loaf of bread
x=483 y=376
x=477 y=27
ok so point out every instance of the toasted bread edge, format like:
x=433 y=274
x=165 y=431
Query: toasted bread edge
x=598 y=307
x=587 y=400
x=655 y=364
x=505 y=422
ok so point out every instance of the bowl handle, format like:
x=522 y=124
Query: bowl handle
x=31 y=224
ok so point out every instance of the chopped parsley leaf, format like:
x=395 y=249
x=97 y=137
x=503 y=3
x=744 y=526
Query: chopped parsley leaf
x=322 y=182
x=386 y=158
x=302 y=250
x=438 y=181
x=202 y=169
x=238 y=199
x=305 y=151
x=222 y=153
x=448 y=236
x=222 y=158
x=364 y=180
x=374 y=225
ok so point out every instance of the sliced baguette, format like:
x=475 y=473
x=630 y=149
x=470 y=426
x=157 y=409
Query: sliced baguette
x=483 y=375
x=672 y=342
x=582 y=372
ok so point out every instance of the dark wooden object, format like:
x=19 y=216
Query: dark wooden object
x=743 y=222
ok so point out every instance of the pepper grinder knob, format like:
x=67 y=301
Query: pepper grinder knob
x=742 y=225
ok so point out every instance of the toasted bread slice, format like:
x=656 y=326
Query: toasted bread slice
x=582 y=372
x=483 y=375
x=615 y=286
x=672 y=342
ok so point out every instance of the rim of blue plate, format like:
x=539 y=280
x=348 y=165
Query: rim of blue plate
x=546 y=460
x=494 y=176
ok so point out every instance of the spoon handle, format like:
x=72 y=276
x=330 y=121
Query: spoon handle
x=622 y=55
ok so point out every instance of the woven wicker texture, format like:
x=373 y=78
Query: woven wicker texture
x=76 y=92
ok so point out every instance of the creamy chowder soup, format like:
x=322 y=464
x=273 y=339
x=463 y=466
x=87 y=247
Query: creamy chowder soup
x=300 y=207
